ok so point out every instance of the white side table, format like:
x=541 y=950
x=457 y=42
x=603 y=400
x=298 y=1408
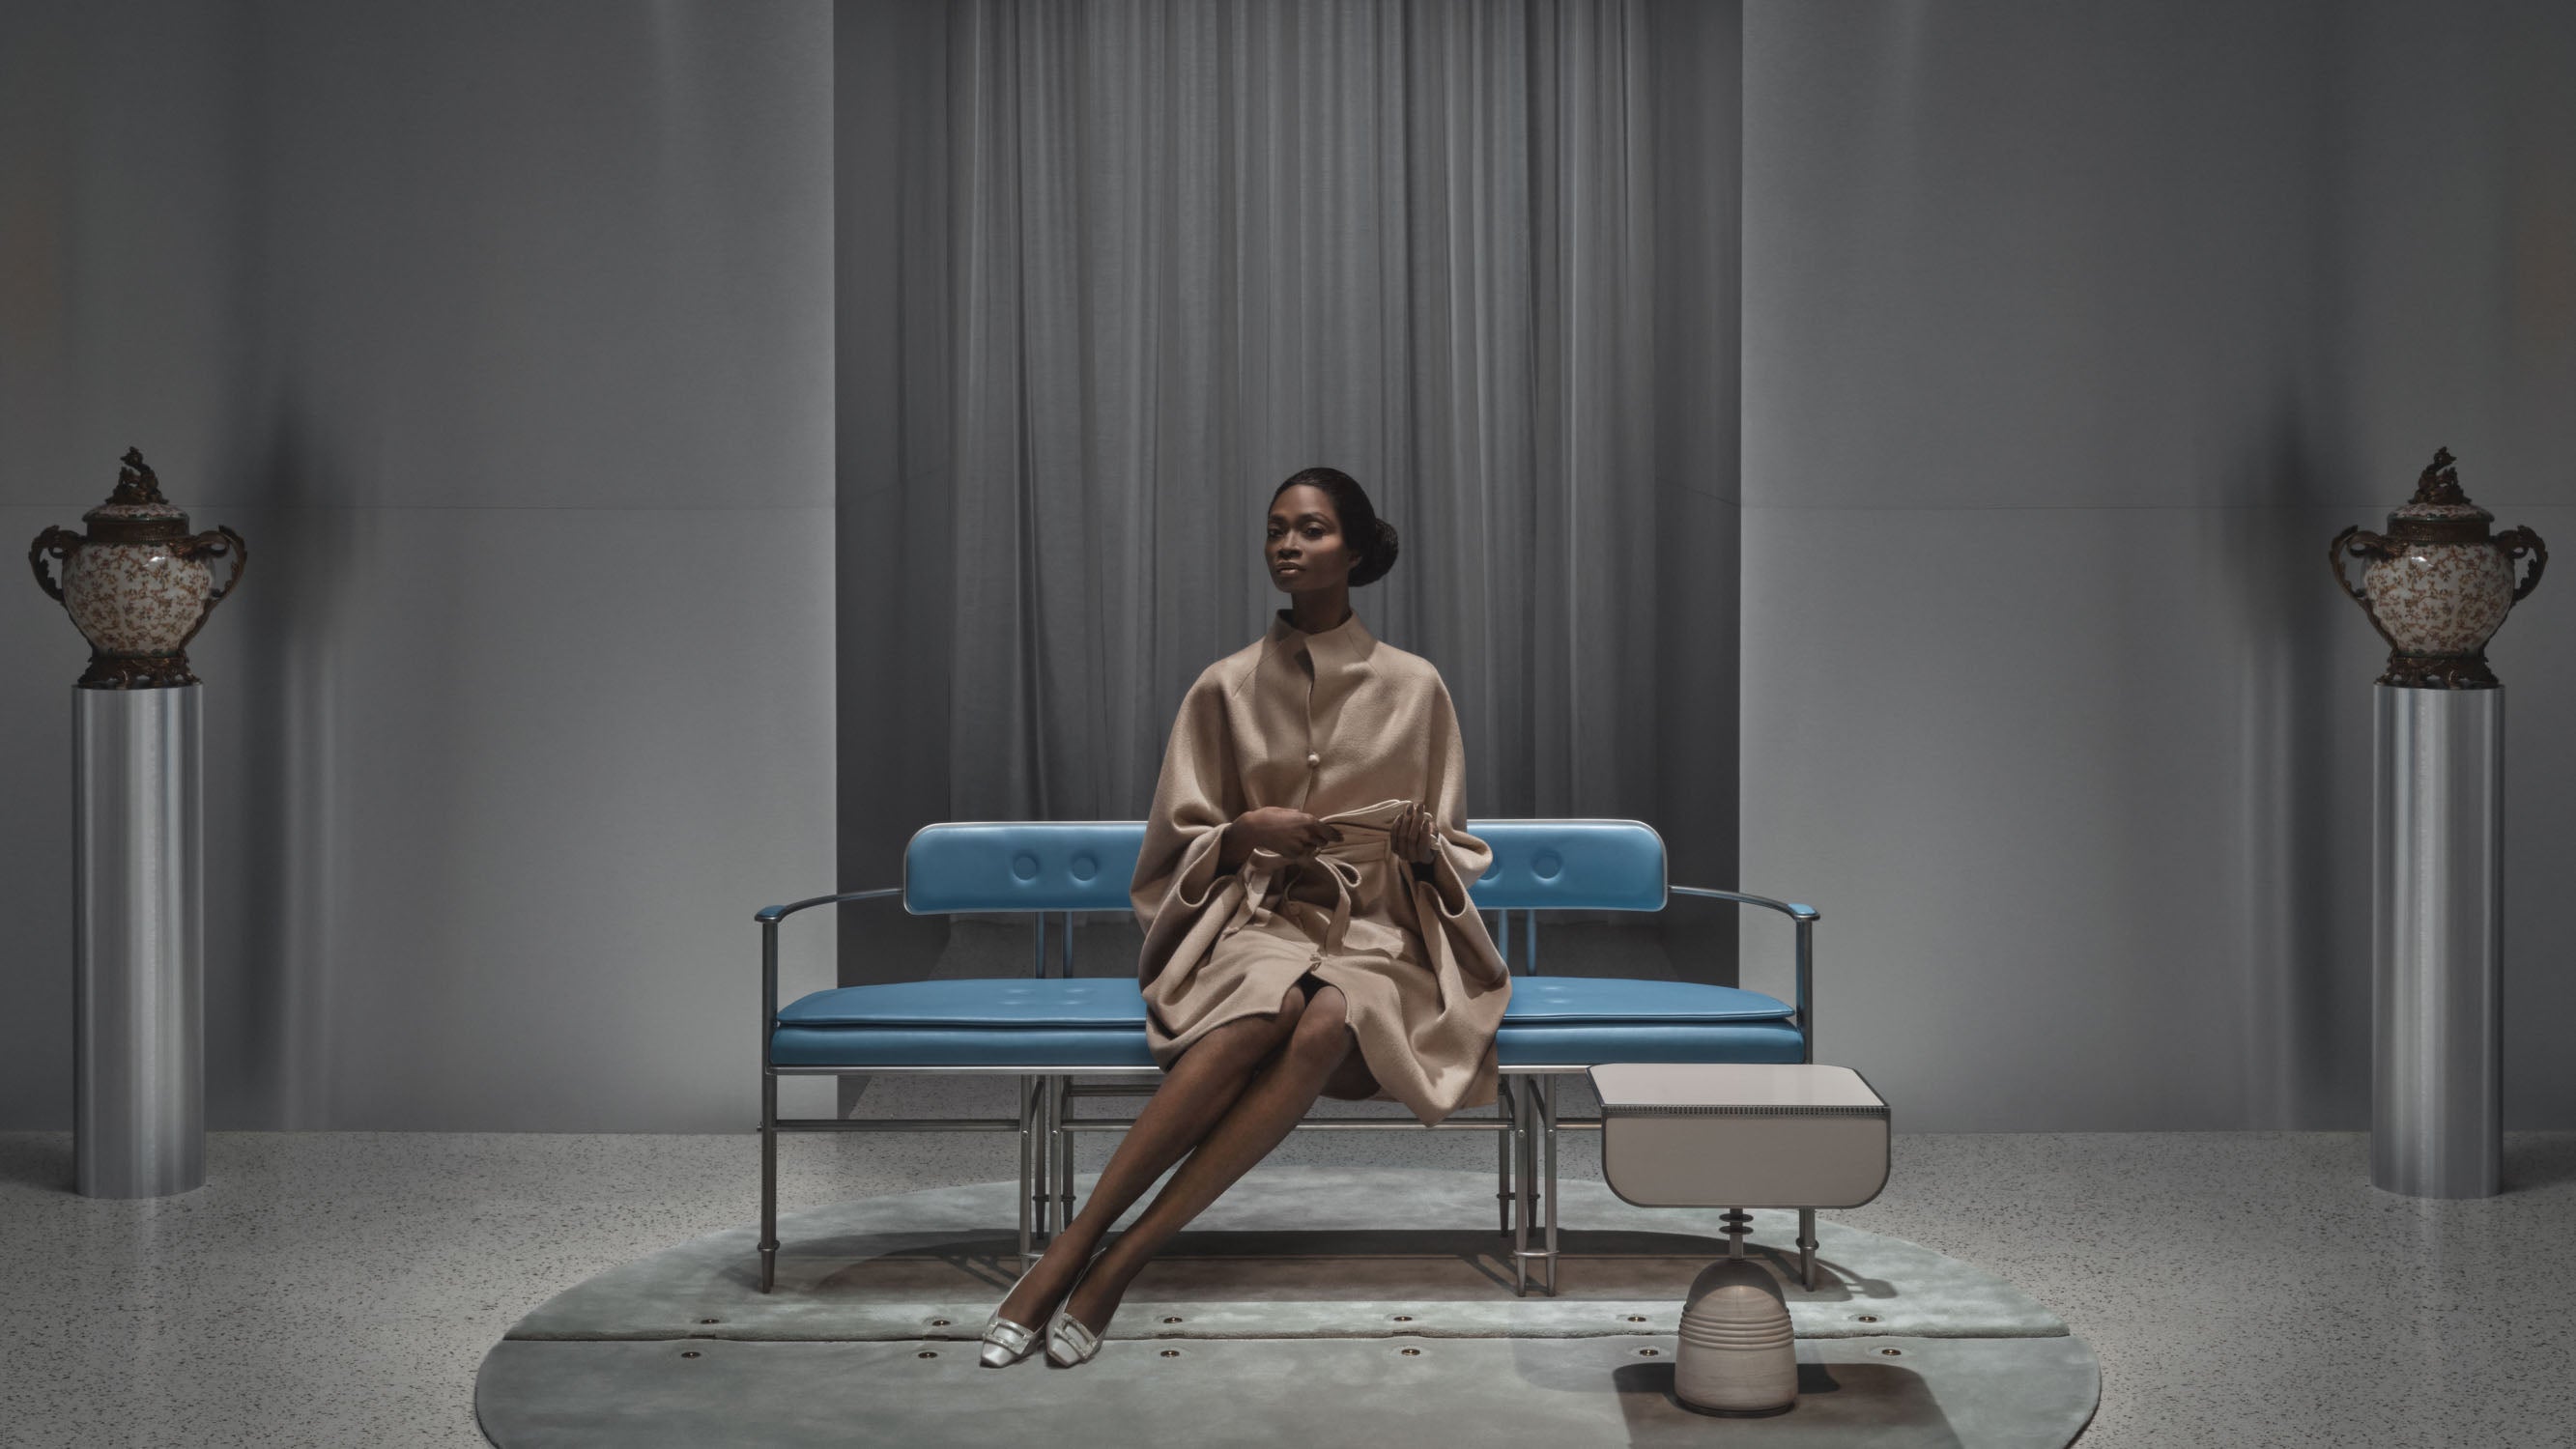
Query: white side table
x=1716 y=1134
x=1738 y=1136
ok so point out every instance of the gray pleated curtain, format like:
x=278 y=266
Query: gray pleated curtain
x=1188 y=248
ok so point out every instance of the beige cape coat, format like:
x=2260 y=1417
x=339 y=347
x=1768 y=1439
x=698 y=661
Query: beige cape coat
x=1348 y=729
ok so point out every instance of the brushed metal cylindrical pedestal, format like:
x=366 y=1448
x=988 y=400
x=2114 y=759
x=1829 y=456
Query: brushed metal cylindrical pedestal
x=138 y=997
x=2437 y=943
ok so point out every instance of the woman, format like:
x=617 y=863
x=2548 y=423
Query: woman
x=1303 y=889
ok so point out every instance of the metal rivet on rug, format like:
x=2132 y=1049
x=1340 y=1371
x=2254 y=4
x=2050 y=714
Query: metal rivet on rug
x=927 y=1353
x=1635 y=1317
x=1410 y=1352
x=1175 y=1318
x=1893 y=1352
x=1649 y=1352
x=711 y=1320
x=1404 y=1318
x=935 y=1323
x=689 y=1353
x=1171 y=1353
x=1869 y=1318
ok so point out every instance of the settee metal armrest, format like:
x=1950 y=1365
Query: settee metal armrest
x=1786 y=908
x=1805 y=918
x=769 y=917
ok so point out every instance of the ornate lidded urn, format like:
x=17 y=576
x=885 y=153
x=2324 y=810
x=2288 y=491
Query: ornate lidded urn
x=138 y=587
x=2438 y=586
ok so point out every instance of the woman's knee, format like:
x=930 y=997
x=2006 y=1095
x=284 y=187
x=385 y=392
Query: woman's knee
x=1247 y=1040
x=1321 y=1034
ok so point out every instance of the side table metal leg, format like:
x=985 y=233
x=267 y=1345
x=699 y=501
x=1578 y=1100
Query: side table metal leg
x=1807 y=1248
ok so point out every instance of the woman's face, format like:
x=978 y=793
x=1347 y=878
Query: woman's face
x=1305 y=547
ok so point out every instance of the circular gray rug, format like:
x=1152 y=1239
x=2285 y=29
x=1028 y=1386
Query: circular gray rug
x=1309 y=1305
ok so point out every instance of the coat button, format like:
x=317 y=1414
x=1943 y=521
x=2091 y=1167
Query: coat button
x=1313 y=759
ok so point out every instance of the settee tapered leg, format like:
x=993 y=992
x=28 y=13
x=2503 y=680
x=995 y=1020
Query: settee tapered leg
x=1040 y=1191
x=1503 y=1143
x=1063 y=1155
x=1524 y=1177
x=1547 y=1127
x=768 y=1181
x=1028 y=1168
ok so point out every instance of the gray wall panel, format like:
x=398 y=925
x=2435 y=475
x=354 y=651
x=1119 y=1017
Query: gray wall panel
x=2014 y=255
x=552 y=255
x=892 y=623
x=1699 y=107
x=125 y=244
x=2071 y=336
x=516 y=370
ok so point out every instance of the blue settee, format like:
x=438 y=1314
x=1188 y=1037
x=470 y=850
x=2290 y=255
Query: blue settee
x=1065 y=1037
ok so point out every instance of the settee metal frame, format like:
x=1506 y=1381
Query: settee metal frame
x=1525 y=1121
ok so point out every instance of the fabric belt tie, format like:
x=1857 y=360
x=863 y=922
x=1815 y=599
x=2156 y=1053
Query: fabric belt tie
x=1365 y=837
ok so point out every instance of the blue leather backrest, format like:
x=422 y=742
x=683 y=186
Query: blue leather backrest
x=1085 y=865
x=1021 y=865
x=1570 y=865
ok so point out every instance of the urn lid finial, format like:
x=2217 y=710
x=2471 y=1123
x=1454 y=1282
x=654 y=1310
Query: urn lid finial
x=138 y=500
x=2438 y=497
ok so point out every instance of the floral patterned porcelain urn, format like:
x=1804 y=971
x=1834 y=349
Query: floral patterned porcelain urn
x=138 y=587
x=2438 y=585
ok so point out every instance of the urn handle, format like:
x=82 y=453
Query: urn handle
x=217 y=544
x=2360 y=545
x=61 y=543
x=2516 y=542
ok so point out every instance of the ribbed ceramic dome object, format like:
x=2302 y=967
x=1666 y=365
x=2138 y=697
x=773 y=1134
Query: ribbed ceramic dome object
x=1737 y=1354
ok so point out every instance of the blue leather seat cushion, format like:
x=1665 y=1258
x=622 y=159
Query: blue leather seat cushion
x=930 y=1046
x=992 y=1002
x=1515 y=1046
x=1014 y=1002
x=1591 y=1044
x=1100 y=1021
x=1574 y=1000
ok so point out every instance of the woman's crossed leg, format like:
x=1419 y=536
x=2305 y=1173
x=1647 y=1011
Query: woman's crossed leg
x=1202 y=1084
x=1319 y=1049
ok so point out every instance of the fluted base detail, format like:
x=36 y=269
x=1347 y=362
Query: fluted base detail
x=1738 y=1354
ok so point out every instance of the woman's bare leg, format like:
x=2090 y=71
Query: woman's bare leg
x=1201 y=1085
x=1257 y=1122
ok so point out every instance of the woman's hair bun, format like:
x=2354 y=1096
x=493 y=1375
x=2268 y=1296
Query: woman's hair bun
x=1372 y=566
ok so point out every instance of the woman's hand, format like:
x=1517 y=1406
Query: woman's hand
x=1410 y=836
x=1283 y=831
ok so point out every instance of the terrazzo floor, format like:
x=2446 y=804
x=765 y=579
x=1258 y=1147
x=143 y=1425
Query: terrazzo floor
x=341 y=1288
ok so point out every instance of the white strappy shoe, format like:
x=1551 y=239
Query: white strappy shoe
x=1069 y=1340
x=1006 y=1342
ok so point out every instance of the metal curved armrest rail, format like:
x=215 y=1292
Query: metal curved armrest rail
x=1805 y=918
x=769 y=917
x=770 y=914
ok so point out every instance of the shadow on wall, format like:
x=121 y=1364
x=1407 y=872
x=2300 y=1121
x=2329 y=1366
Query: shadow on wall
x=285 y=856
x=2303 y=739
x=269 y=1000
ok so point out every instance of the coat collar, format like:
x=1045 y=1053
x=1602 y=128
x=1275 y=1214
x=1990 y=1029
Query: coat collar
x=1346 y=644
